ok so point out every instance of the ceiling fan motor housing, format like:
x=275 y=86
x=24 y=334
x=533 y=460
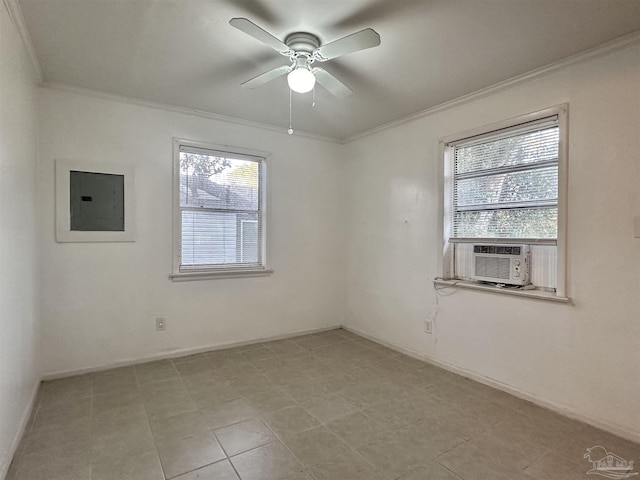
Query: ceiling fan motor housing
x=302 y=42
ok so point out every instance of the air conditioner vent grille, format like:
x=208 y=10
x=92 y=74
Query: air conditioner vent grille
x=493 y=267
x=498 y=249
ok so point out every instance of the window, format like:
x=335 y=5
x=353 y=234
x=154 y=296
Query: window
x=219 y=204
x=505 y=184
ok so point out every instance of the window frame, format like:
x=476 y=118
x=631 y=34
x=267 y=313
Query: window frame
x=446 y=274
x=186 y=273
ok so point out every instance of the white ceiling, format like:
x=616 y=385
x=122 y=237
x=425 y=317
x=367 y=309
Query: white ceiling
x=185 y=53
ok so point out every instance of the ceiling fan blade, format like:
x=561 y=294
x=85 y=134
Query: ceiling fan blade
x=331 y=83
x=260 y=34
x=267 y=77
x=361 y=40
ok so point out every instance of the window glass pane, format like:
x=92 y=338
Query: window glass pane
x=226 y=183
x=512 y=223
x=220 y=238
x=249 y=234
x=519 y=149
x=528 y=185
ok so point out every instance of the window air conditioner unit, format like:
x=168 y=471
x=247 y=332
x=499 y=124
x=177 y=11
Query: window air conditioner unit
x=508 y=264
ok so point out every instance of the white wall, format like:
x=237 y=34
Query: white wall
x=100 y=300
x=582 y=357
x=19 y=374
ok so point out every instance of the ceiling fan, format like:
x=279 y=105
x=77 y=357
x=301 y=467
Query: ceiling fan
x=303 y=49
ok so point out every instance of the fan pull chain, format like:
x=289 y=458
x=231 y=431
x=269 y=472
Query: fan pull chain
x=313 y=102
x=290 y=131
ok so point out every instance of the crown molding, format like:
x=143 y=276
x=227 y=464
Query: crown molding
x=15 y=14
x=614 y=45
x=88 y=92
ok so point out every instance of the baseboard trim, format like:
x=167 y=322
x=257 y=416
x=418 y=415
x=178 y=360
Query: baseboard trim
x=610 y=427
x=182 y=352
x=27 y=415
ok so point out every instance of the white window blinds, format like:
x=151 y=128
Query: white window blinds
x=505 y=183
x=220 y=209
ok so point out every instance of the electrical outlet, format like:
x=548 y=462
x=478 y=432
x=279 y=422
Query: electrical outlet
x=161 y=324
x=428 y=325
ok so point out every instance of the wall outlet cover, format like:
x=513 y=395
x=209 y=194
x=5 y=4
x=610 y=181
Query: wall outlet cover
x=428 y=326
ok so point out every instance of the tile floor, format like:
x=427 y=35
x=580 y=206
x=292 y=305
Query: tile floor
x=328 y=406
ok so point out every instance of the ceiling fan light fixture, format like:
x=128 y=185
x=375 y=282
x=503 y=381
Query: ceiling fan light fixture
x=301 y=79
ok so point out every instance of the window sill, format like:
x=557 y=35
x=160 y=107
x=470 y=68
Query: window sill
x=210 y=275
x=534 y=294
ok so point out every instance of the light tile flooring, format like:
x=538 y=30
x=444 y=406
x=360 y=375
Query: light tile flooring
x=328 y=406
